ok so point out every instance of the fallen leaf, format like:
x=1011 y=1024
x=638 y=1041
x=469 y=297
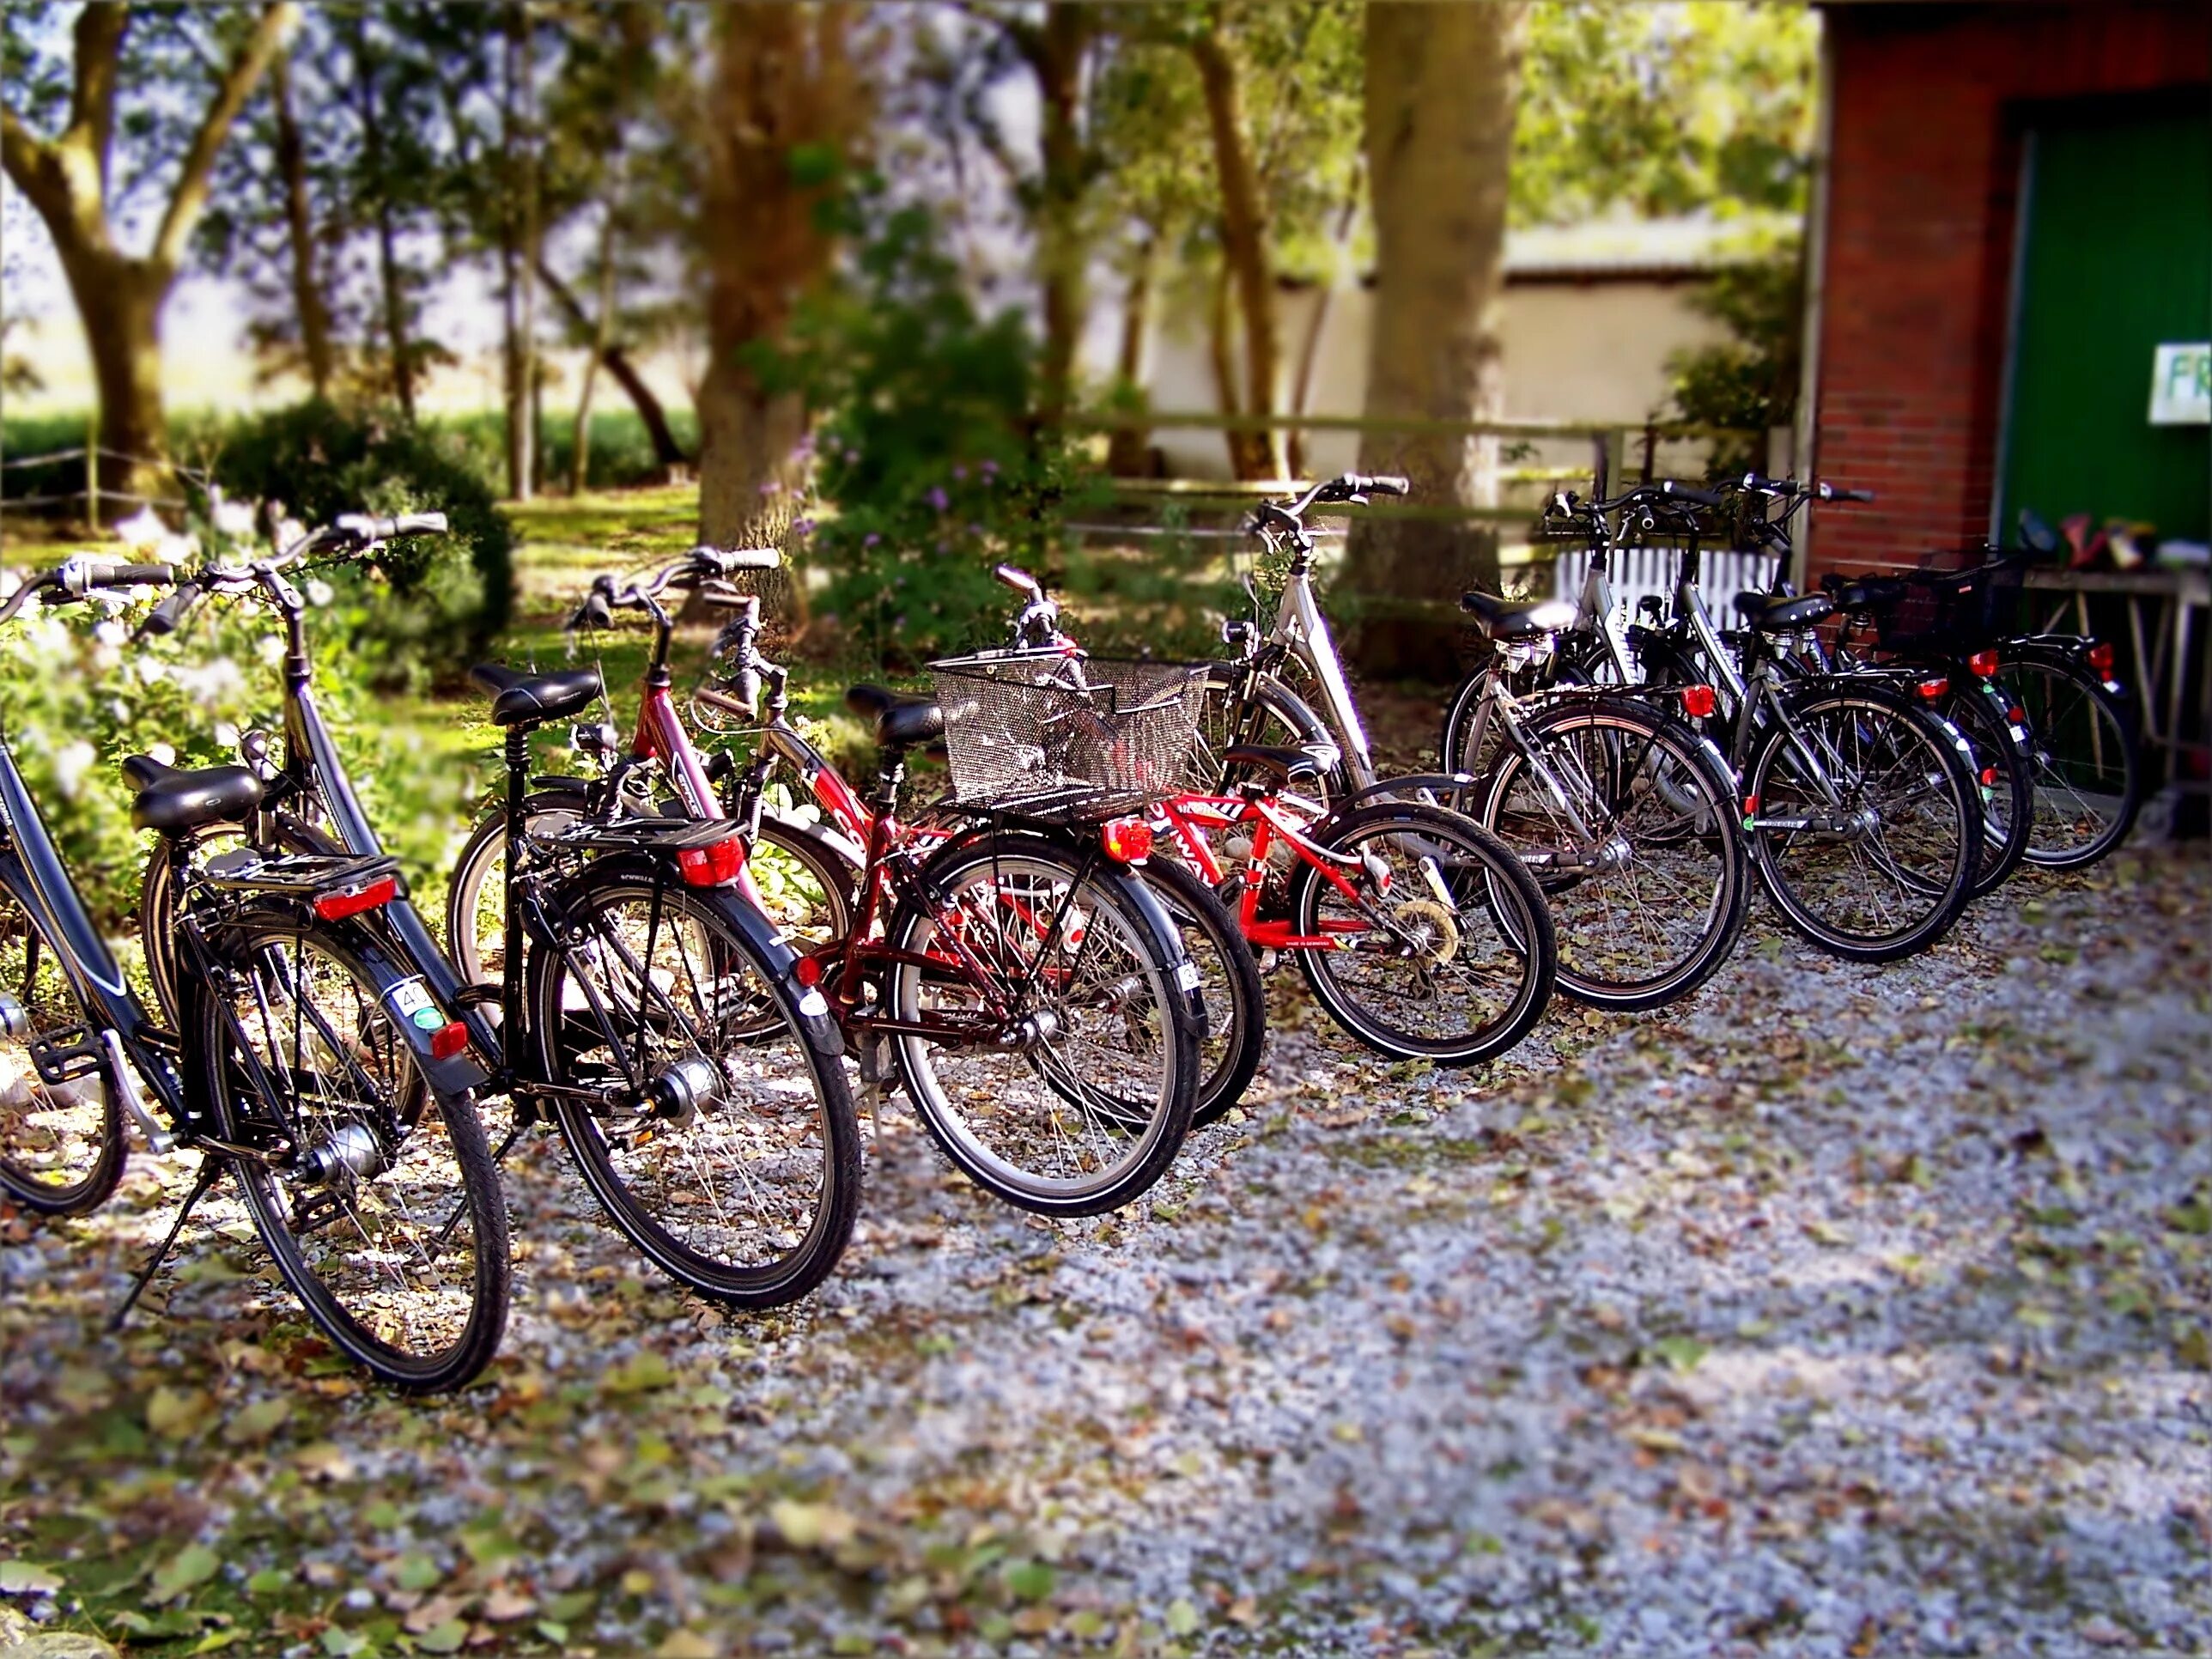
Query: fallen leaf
x=257 y=1422
x=28 y=1578
x=183 y=1573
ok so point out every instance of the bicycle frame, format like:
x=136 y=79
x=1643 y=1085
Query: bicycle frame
x=1189 y=817
x=132 y=1045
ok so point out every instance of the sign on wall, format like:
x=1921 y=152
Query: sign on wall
x=2181 y=385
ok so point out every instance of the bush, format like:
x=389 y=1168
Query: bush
x=1749 y=380
x=927 y=457
x=448 y=595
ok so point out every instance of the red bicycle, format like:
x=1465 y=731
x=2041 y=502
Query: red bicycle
x=1023 y=987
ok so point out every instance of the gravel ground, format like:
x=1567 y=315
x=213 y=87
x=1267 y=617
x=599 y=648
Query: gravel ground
x=1840 y=1309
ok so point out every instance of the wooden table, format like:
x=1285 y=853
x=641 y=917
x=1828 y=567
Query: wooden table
x=2162 y=604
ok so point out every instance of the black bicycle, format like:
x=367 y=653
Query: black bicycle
x=307 y=1057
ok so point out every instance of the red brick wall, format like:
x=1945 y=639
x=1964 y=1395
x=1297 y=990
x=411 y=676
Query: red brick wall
x=1930 y=103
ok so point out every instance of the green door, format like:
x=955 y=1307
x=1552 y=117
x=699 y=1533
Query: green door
x=2118 y=261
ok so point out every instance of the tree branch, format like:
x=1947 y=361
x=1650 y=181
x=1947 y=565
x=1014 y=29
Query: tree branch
x=190 y=196
x=91 y=127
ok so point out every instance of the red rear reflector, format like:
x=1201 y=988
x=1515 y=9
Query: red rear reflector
x=1931 y=689
x=710 y=866
x=1989 y=777
x=807 y=970
x=1698 y=702
x=448 y=1040
x=335 y=907
x=1127 y=841
x=2016 y=715
x=2101 y=657
x=1983 y=663
x=1750 y=805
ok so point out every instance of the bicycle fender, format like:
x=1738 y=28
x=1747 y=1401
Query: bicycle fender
x=807 y=1006
x=407 y=994
x=1449 y=784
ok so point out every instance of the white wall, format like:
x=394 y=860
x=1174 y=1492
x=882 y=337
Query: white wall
x=1580 y=351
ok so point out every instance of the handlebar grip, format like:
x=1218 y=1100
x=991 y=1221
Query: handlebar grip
x=128 y=575
x=1385 y=483
x=420 y=524
x=1685 y=493
x=1019 y=580
x=727 y=559
x=596 y=611
x=165 y=617
x=1835 y=494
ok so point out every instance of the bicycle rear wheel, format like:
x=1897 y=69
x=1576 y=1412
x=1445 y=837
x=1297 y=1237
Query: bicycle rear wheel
x=382 y=1207
x=1077 y=1099
x=61 y=1145
x=1445 y=950
x=1867 y=839
x=1649 y=895
x=704 y=1103
x=2085 y=766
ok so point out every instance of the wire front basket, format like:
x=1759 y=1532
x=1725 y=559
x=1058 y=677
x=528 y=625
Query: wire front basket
x=1020 y=728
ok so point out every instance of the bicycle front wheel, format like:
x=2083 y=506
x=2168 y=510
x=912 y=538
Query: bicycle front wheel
x=706 y=1107
x=1442 y=949
x=1060 y=1067
x=1630 y=832
x=2086 y=767
x=1866 y=822
x=381 y=1205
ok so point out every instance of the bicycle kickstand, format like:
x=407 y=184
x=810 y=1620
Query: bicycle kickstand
x=211 y=1171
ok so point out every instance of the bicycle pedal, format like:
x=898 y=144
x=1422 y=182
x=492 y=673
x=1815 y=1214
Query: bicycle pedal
x=66 y=1055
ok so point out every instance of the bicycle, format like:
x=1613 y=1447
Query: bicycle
x=694 y=1071
x=1864 y=807
x=1395 y=904
x=311 y=1061
x=999 y=945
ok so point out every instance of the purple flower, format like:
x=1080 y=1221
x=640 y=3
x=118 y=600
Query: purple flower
x=771 y=488
x=960 y=474
x=870 y=539
x=937 y=497
x=802 y=526
x=990 y=469
x=975 y=530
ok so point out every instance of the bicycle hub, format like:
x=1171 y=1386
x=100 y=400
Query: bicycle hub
x=685 y=1088
x=15 y=1019
x=351 y=1149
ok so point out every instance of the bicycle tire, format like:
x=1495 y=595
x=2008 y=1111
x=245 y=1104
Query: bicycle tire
x=1525 y=931
x=157 y=901
x=2069 y=788
x=735 y=940
x=1287 y=721
x=1700 y=826
x=253 y=945
x=1147 y=949
x=1229 y=984
x=42 y=1117
x=2003 y=760
x=1895 y=733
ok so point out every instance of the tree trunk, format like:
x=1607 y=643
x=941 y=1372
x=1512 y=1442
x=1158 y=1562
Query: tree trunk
x=120 y=296
x=1221 y=356
x=390 y=276
x=1055 y=49
x=580 y=464
x=126 y=295
x=783 y=82
x=518 y=257
x=1125 y=449
x=1441 y=85
x=614 y=357
x=306 y=289
x=1244 y=248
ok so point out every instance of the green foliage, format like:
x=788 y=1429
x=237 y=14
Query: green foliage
x=926 y=456
x=1662 y=110
x=79 y=698
x=1750 y=381
x=448 y=595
